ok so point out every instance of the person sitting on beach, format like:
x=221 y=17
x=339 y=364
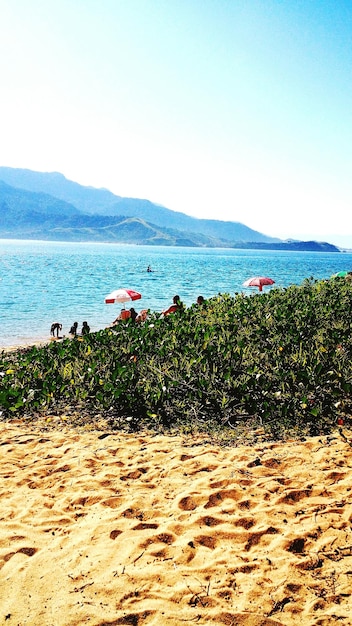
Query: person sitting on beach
x=201 y=304
x=176 y=306
x=134 y=314
x=125 y=314
x=142 y=315
x=55 y=327
x=85 y=329
x=73 y=329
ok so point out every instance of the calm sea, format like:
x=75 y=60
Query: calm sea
x=44 y=282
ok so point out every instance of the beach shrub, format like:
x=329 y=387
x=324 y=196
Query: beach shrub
x=281 y=359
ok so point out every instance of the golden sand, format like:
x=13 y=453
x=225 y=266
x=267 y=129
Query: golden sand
x=107 y=529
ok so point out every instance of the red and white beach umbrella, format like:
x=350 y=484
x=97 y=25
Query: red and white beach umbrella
x=258 y=281
x=122 y=295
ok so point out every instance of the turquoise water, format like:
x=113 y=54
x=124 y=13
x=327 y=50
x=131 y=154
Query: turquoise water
x=43 y=282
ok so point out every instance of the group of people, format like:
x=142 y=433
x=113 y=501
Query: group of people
x=56 y=327
x=74 y=329
x=177 y=305
x=131 y=314
x=125 y=314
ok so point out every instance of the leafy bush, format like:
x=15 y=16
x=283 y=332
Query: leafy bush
x=281 y=359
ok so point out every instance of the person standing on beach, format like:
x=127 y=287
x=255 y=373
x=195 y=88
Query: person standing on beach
x=55 y=327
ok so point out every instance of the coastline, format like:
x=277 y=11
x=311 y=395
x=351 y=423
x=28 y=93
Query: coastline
x=29 y=344
x=39 y=283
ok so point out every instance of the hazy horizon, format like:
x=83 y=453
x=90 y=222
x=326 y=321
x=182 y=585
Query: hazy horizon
x=229 y=110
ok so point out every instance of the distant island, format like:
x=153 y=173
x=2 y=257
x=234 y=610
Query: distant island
x=298 y=246
x=40 y=205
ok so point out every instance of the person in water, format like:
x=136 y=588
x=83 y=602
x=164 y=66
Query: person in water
x=149 y=269
x=85 y=329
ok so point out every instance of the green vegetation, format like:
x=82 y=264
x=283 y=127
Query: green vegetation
x=280 y=360
x=43 y=205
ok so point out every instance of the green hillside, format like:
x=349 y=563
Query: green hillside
x=38 y=205
x=103 y=202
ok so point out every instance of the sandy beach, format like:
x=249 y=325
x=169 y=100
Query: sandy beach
x=108 y=528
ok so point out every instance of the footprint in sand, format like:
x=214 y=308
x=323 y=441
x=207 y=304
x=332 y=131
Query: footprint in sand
x=26 y=551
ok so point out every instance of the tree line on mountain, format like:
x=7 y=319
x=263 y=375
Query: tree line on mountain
x=39 y=205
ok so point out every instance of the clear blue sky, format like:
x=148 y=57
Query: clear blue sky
x=227 y=109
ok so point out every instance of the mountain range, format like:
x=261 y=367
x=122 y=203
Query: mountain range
x=40 y=205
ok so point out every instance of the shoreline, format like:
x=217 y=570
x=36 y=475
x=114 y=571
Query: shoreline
x=30 y=344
